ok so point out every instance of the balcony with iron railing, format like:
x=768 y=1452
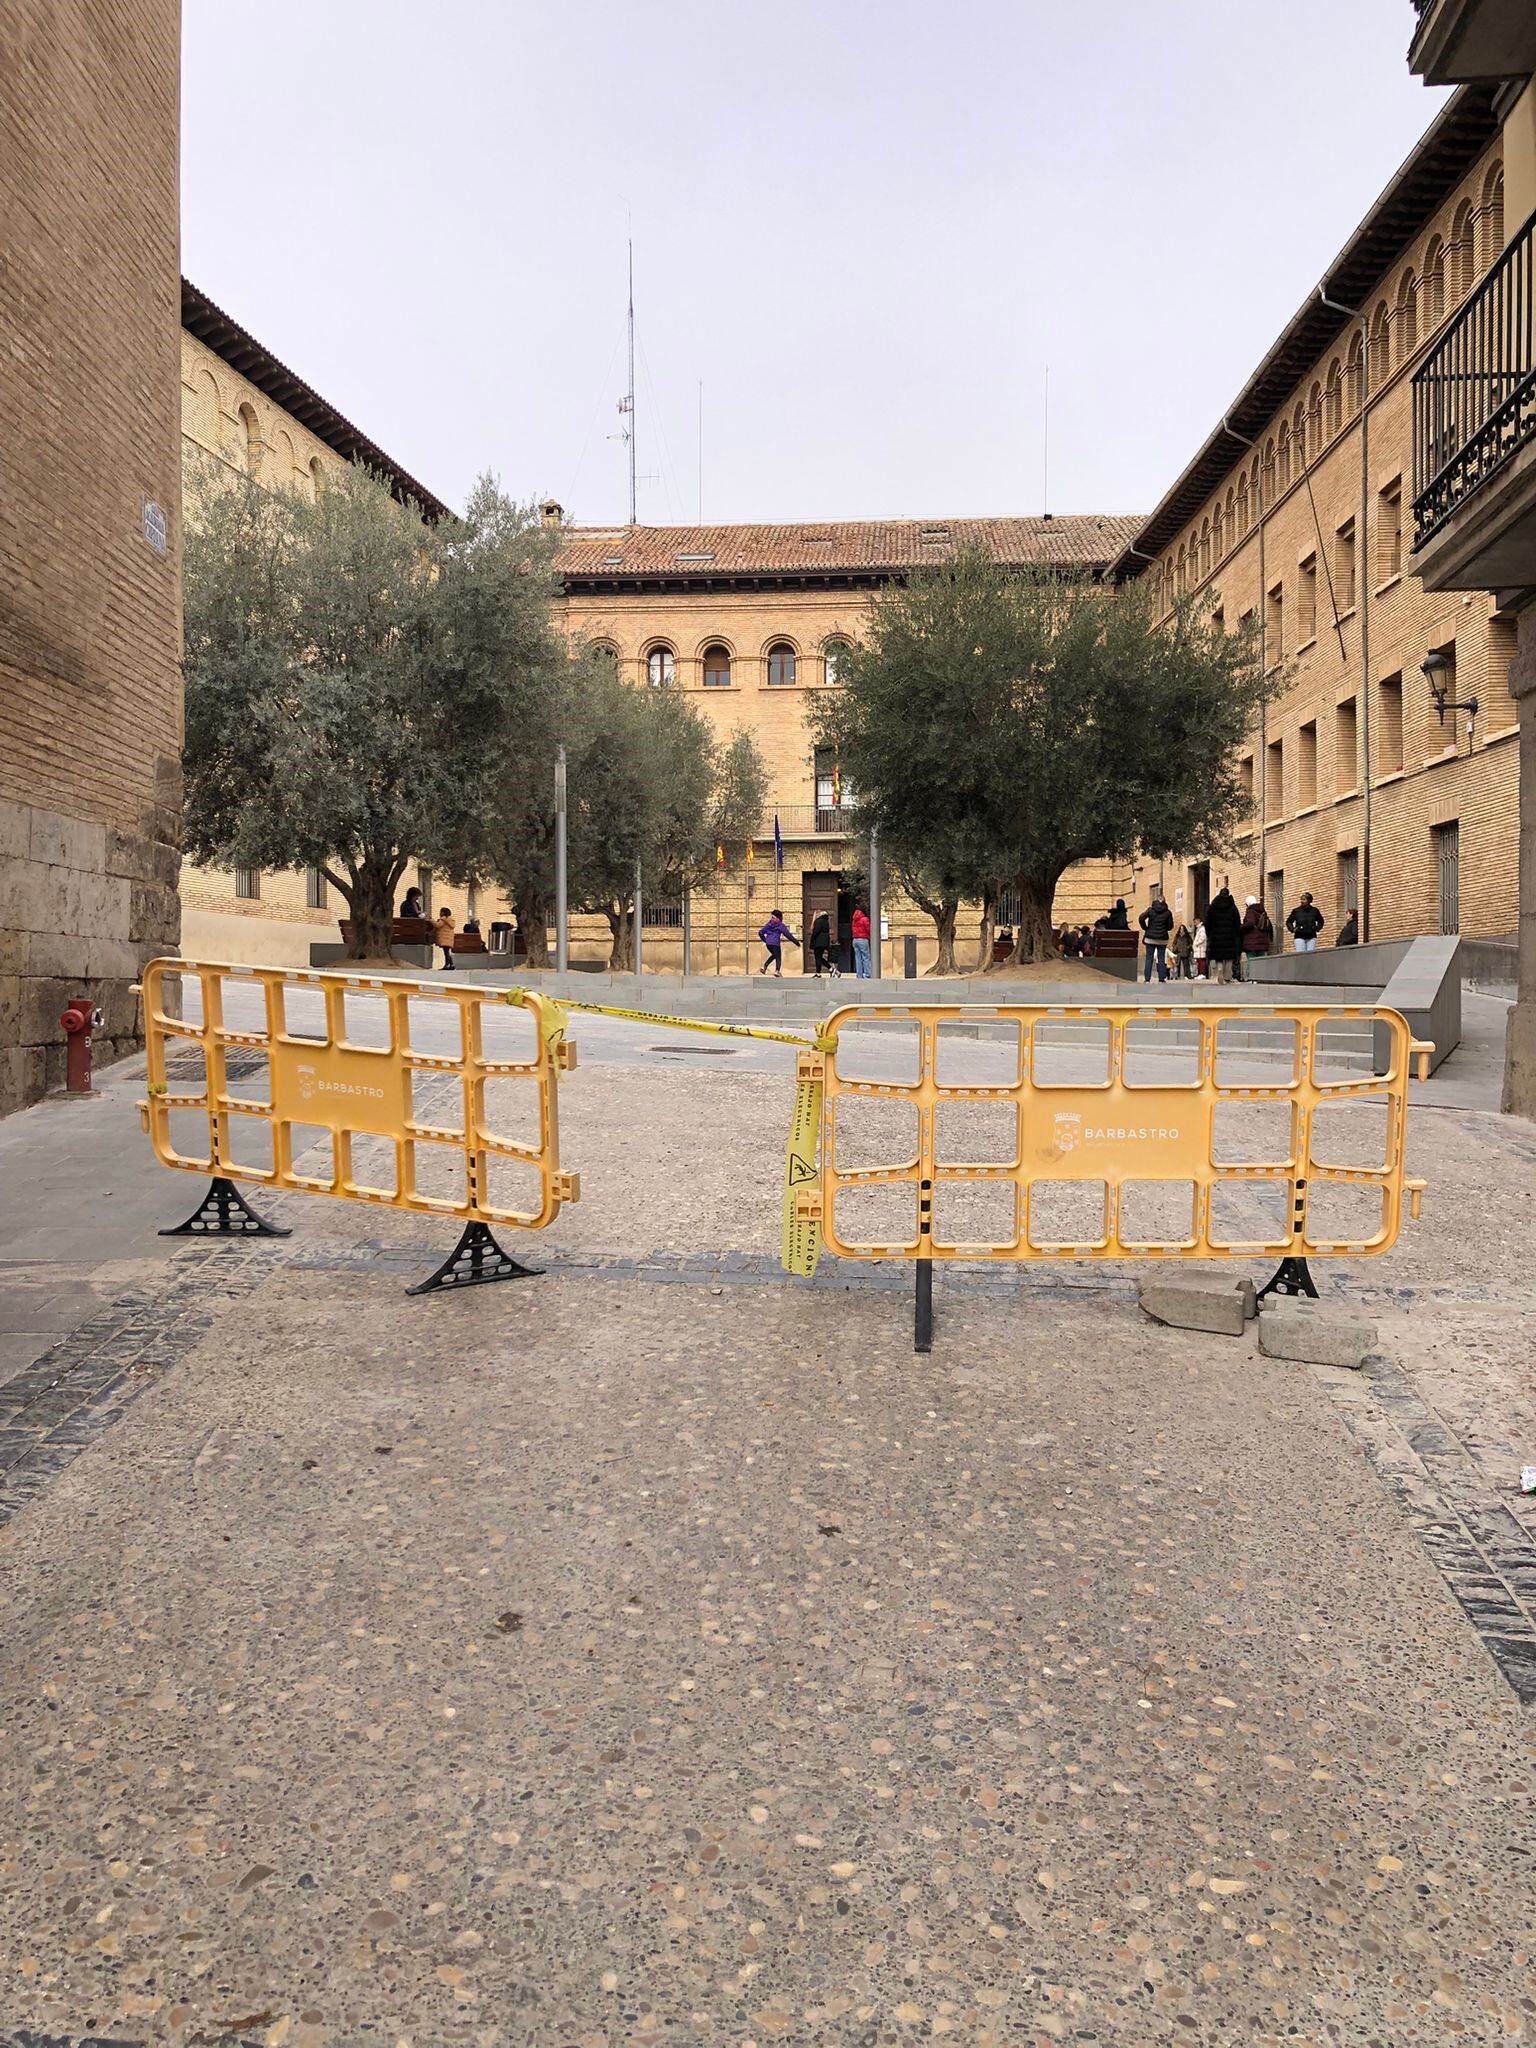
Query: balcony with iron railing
x=809 y=821
x=1474 y=435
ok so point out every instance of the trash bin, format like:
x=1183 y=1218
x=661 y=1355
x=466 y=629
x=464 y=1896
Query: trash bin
x=909 y=956
x=501 y=938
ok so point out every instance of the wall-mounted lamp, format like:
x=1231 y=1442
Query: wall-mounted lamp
x=1439 y=671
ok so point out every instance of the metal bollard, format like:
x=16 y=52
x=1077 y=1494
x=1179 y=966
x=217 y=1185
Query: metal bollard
x=909 y=956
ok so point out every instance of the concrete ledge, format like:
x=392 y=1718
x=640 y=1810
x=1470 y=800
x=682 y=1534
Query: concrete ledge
x=1314 y=1333
x=1420 y=978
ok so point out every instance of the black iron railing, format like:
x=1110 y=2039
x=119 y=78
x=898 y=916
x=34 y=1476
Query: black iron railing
x=1474 y=398
x=806 y=821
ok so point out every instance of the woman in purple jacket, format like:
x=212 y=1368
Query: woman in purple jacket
x=773 y=935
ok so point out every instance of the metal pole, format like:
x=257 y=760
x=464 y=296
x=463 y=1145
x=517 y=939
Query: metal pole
x=922 y=1313
x=876 y=955
x=562 y=913
x=687 y=930
x=638 y=921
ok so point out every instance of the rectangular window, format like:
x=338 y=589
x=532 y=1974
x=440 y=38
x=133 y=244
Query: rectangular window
x=1499 y=710
x=1245 y=774
x=1346 y=747
x=1347 y=885
x=1274 y=626
x=1389 y=725
x=1218 y=620
x=314 y=889
x=1306 y=603
x=1274 y=779
x=247 y=884
x=1447 y=844
x=1306 y=765
x=1344 y=567
x=1389 y=531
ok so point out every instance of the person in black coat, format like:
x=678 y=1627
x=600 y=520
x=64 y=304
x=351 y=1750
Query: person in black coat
x=1349 y=930
x=1117 y=920
x=1223 y=934
x=1156 y=923
x=820 y=940
x=1304 y=923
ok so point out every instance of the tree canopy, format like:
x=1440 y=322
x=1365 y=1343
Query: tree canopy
x=359 y=684
x=1000 y=726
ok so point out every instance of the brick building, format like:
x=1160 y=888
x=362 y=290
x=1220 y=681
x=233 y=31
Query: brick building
x=748 y=621
x=1295 y=513
x=90 y=707
x=243 y=410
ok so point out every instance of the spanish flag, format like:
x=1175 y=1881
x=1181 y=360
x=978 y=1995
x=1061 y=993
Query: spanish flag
x=751 y=853
x=719 y=856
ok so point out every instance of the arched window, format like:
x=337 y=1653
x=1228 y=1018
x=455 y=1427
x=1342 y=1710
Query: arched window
x=251 y=449
x=316 y=474
x=600 y=650
x=205 y=410
x=1315 y=423
x=781 y=664
x=717 y=667
x=1433 y=287
x=1179 y=578
x=1218 y=534
x=1205 y=547
x=1379 y=362
x=1242 y=503
x=1333 y=402
x=1299 y=437
x=1283 y=457
x=660 y=667
x=1231 y=522
x=1354 y=381
x=1407 y=335
x=1493 y=216
x=1463 y=256
x=1266 y=492
x=286 y=464
x=832 y=655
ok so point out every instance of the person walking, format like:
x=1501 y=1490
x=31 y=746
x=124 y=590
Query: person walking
x=861 y=942
x=1223 y=934
x=821 y=944
x=442 y=931
x=1199 y=950
x=1181 y=949
x=773 y=934
x=1258 y=934
x=1349 y=930
x=1304 y=923
x=1156 y=923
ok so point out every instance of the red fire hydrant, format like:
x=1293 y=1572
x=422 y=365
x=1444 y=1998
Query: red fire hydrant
x=81 y=1017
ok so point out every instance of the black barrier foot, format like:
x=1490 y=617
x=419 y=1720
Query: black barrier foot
x=476 y=1258
x=1294 y=1276
x=224 y=1212
x=922 y=1313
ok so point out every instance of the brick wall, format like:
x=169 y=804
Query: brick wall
x=89 y=610
x=1383 y=776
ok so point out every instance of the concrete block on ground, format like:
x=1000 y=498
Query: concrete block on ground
x=1316 y=1333
x=1220 y=1306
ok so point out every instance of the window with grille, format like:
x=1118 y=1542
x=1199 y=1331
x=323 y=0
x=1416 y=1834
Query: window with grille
x=247 y=884
x=1346 y=747
x=1447 y=844
x=314 y=889
x=1348 y=884
x=1389 y=725
x=1344 y=567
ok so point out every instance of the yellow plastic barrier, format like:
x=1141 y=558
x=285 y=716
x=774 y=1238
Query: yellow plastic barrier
x=368 y=1088
x=1116 y=1131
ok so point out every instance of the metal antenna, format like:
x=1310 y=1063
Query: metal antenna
x=701 y=451
x=1045 y=449
x=629 y=402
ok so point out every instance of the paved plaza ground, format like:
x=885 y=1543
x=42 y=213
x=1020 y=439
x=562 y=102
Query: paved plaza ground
x=657 y=1650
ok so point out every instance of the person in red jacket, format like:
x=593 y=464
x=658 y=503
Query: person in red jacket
x=861 y=942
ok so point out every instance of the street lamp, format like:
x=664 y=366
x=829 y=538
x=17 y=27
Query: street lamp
x=1433 y=668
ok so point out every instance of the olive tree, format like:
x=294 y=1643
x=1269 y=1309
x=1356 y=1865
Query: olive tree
x=359 y=683
x=1001 y=726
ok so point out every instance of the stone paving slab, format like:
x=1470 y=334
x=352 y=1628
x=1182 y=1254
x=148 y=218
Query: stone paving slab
x=576 y=1668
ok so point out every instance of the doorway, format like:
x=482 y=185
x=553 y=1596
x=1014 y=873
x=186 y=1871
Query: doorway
x=1200 y=887
x=827 y=892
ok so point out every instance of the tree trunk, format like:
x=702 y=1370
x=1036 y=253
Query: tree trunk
x=531 y=909
x=370 y=902
x=988 y=929
x=621 y=923
x=1036 y=939
x=944 y=914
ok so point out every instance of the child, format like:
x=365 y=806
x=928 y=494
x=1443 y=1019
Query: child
x=443 y=932
x=773 y=935
x=1197 y=948
x=1181 y=949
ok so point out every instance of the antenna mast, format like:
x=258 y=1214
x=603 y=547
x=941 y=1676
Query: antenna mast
x=1045 y=448
x=629 y=402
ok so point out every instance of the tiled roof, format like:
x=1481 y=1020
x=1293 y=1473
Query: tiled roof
x=837 y=547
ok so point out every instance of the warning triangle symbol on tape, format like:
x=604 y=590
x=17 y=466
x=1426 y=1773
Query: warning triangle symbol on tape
x=801 y=1170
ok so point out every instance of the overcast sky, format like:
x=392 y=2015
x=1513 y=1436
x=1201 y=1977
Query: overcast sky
x=866 y=226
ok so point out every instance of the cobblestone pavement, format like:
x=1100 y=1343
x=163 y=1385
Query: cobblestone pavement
x=657 y=1650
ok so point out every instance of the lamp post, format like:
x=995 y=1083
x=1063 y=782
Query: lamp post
x=639 y=919
x=562 y=918
x=876 y=949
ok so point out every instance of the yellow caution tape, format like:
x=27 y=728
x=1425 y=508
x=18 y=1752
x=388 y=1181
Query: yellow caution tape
x=800 y=1246
x=519 y=995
